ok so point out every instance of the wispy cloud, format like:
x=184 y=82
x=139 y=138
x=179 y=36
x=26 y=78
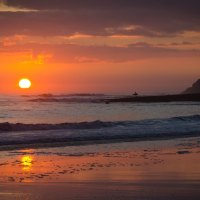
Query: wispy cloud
x=9 y=8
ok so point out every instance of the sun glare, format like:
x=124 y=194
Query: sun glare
x=24 y=83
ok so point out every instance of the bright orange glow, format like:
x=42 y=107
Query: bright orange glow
x=24 y=83
x=56 y=77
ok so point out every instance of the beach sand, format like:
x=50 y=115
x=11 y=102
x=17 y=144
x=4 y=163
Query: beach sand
x=168 y=169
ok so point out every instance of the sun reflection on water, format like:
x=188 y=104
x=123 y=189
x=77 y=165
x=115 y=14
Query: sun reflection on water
x=26 y=162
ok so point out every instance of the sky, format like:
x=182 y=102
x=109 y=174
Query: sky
x=92 y=46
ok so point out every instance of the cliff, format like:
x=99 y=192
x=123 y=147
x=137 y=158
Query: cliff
x=195 y=89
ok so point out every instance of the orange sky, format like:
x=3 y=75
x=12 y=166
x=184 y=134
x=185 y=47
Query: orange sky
x=113 y=56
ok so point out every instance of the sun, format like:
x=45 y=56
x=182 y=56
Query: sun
x=25 y=83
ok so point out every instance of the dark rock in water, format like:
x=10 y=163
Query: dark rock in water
x=194 y=89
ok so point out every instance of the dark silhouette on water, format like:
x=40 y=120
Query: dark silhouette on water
x=135 y=94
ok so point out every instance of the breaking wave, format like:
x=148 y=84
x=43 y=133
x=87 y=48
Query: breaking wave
x=97 y=131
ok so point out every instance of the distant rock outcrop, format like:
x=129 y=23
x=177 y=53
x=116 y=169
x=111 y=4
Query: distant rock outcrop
x=194 y=89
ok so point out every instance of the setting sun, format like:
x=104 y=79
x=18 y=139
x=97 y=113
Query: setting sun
x=24 y=83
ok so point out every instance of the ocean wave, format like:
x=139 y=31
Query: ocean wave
x=187 y=118
x=67 y=100
x=9 y=127
x=97 y=131
x=72 y=98
x=49 y=95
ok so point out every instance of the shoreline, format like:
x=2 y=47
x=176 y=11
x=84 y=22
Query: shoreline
x=94 y=142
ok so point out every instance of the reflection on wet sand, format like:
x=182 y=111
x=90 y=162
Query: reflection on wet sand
x=27 y=162
x=179 y=161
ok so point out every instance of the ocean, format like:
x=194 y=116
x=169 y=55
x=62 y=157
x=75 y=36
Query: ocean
x=77 y=119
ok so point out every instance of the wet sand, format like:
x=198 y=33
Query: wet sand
x=168 y=169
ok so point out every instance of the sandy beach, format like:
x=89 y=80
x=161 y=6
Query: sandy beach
x=168 y=169
x=100 y=100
